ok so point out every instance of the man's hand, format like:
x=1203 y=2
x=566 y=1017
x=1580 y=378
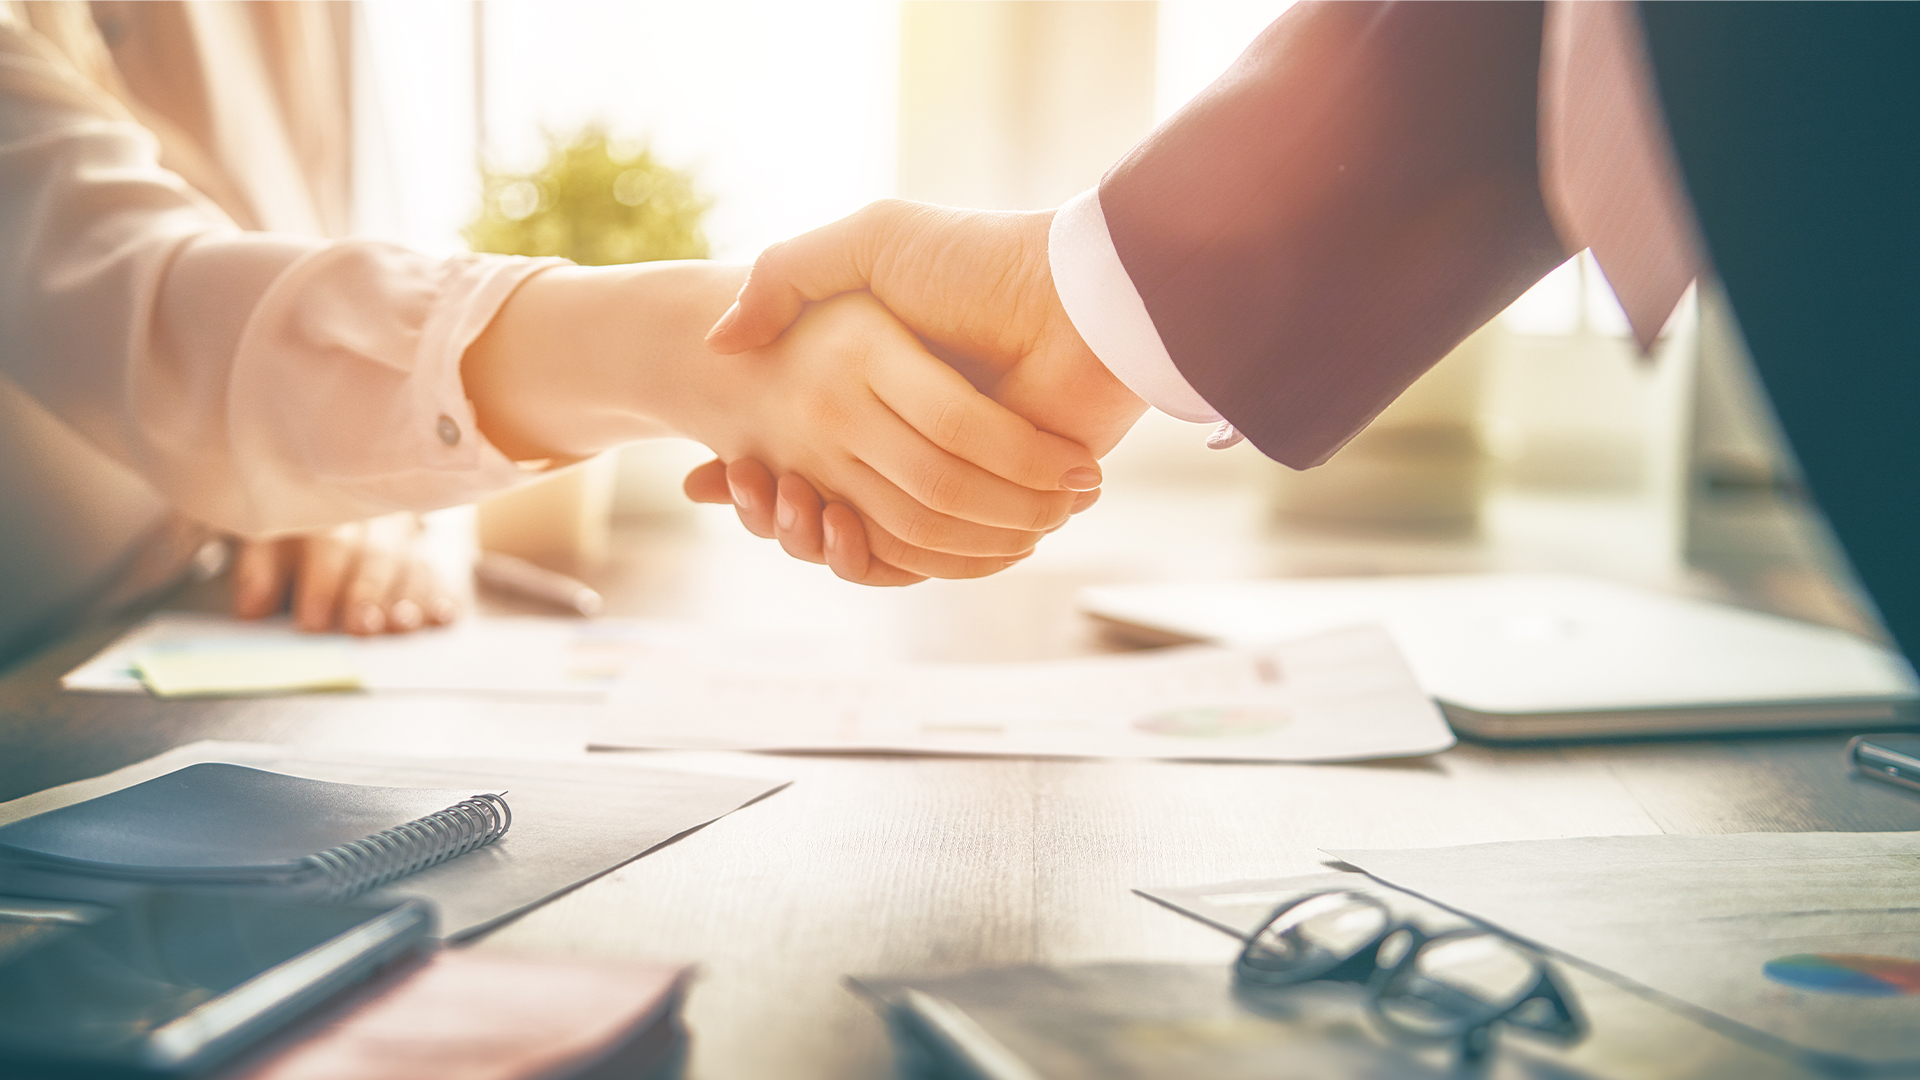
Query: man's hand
x=974 y=285
x=369 y=577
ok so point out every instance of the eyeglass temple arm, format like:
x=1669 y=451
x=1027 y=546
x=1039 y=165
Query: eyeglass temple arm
x=1570 y=1023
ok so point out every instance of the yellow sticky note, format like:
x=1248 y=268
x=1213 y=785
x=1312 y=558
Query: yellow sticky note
x=210 y=669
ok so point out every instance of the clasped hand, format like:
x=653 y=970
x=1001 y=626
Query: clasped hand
x=918 y=475
x=975 y=288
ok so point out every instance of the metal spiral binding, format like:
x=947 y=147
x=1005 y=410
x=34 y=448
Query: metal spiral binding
x=394 y=853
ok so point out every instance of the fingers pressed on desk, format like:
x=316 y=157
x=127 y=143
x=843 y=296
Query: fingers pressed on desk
x=262 y=571
x=420 y=599
x=325 y=560
x=372 y=580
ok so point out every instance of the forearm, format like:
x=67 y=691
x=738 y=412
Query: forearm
x=580 y=359
x=1352 y=199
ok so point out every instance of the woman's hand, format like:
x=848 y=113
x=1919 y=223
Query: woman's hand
x=370 y=577
x=940 y=480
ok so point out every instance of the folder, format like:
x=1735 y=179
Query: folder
x=467 y=1015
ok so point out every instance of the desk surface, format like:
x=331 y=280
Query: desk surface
x=874 y=865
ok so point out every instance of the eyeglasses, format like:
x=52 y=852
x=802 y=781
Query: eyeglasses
x=1452 y=986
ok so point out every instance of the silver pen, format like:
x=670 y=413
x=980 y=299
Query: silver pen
x=514 y=575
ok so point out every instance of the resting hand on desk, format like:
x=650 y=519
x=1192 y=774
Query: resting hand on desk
x=368 y=577
x=976 y=287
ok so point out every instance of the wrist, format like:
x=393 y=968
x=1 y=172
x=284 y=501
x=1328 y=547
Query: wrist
x=1064 y=387
x=581 y=359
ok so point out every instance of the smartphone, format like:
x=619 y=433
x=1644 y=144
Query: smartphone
x=165 y=983
x=1894 y=758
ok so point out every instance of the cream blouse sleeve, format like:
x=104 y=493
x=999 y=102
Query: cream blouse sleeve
x=262 y=383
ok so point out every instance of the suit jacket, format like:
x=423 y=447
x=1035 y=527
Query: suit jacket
x=1362 y=190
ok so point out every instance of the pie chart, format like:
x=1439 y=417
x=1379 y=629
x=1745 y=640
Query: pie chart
x=1854 y=974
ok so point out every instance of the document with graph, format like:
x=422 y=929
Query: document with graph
x=1339 y=696
x=1807 y=944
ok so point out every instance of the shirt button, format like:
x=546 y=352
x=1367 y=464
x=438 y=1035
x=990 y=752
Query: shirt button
x=449 y=431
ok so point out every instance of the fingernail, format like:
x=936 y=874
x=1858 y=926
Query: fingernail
x=442 y=610
x=368 y=618
x=784 y=514
x=406 y=615
x=1084 y=500
x=831 y=535
x=742 y=497
x=1081 y=479
x=726 y=321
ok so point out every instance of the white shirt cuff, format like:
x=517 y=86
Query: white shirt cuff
x=1107 y=311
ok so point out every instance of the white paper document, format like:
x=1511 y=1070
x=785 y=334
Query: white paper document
x=1545 y=656
x=532 y=656
x=1339 y=696
x=1804 y=943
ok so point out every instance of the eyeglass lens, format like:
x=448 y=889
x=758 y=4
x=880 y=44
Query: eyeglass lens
x=1456 y=982
x=1314 y=936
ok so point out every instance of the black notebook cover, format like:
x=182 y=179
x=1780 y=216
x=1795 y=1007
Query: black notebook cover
x=218 y=823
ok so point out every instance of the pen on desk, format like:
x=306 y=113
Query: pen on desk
x=517 y=576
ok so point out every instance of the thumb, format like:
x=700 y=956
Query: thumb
x=832 y=259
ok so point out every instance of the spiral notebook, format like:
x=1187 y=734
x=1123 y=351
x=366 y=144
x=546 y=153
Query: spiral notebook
x=217 y=824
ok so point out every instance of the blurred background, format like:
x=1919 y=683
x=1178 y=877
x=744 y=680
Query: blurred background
x=1544 y=442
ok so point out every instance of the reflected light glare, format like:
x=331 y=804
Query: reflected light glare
x=1552 y=306
x=783 y=112
x=1196 y=40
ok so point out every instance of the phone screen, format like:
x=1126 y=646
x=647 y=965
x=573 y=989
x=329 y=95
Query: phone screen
x=171 y=982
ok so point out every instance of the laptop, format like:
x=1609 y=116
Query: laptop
x=1517 y=658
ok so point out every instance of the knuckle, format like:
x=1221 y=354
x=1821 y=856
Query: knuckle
x=953 y=427
x=923 y=530
x=881 y=211
x=885 y=547
x=1012 y=543
x=942 y=486
x=1047 y=512
x=826 y=412
x=976 y=568
x=767 y=261
x=858 y=347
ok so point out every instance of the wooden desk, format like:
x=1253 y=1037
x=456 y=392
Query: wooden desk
x=877 y=864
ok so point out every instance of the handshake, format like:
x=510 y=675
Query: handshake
x=910 y=392
x=953 y=416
